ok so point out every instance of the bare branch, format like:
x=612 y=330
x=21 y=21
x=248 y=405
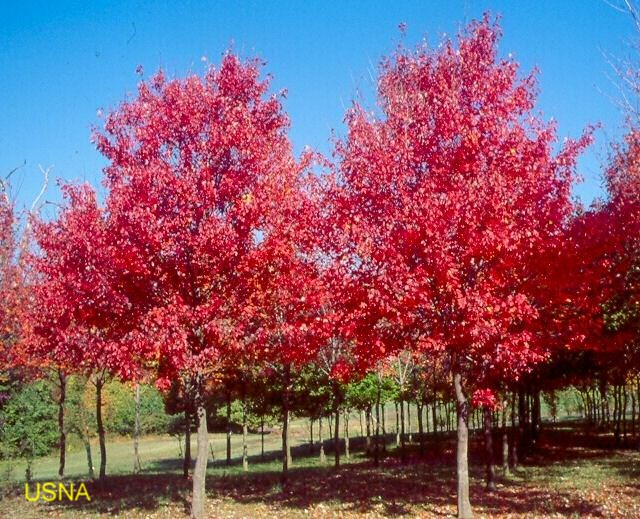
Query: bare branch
x=45 y=184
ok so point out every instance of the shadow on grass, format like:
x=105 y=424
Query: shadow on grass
x=424 y=484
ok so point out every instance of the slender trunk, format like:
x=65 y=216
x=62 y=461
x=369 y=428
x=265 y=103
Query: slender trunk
x=337 y=401
x=625 y=401
x=377 y=446
x=409 y=421
x=137 y=466
x=310 y=435
x=488 y=445
x=186 y=464
x=535 y=415
x=323 y=458
x=286 y=449
x=368 y=437
x=633 y=414
x=346 y=435
x=262 y=438
x=514 y=437
x=505 y=440
x=420 y=407
x=434 y=416
x=228 y=429
x=63 y=437
x=101 y=437
x=616 y=414
x=464 y=505
x=397 y=426
x=336 y=439
x=86 y=440
x=361 y=424
x=87 y=448
x=245 y=448
x=521 y=423
x=403 y=453
x=384 y=427
x=604 y=405
x=198 y=502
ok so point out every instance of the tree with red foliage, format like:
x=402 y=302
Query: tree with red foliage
x=78 y=317
x=9 y=279
x=200 y=181
x=282 y=310
x=446 y=197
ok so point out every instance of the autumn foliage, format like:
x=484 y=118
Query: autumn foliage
x=441 y=233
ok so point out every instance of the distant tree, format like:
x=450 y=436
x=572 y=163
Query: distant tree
x=29 y=423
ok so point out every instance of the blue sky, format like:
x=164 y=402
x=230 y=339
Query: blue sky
x=62 y=61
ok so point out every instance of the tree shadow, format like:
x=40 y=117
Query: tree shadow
x=422 y=482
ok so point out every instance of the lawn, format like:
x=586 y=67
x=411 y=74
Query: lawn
x=569 y=475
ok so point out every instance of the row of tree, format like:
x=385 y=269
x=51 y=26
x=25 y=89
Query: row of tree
x=441 y=237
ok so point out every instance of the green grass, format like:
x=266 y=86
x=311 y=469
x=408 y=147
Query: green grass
x=569 y=474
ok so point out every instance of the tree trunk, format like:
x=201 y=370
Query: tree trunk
x=186 y=464
x=397 y=426
x=604 y=404
x=310 y=435
x=101 y=437
x=86 y=440
x=361 y=423
x=346 y=435
x=336 y=439
x=403 y=453
x=488 y=445
x=323 y=458
x=633 y=413
x=625 y=401
x=409 y=421
x=337 y=401
x=228 y=429
x=616 y=414
x=87 y=448
x=286 y=448
x=377 y=446
x=420 y=407
x=262 y=438
x=245 y=448
x=198 y=502
x=137 y=466
x=535 y=416
x=505 y=440
x=63 y=436
x=521 y=423
x=434 y=417
x=384 y=428
x=368 y=437
x=464 y=505
x=514 y=437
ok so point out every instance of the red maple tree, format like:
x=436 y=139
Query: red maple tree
x=200 y=182
x=446 y=197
